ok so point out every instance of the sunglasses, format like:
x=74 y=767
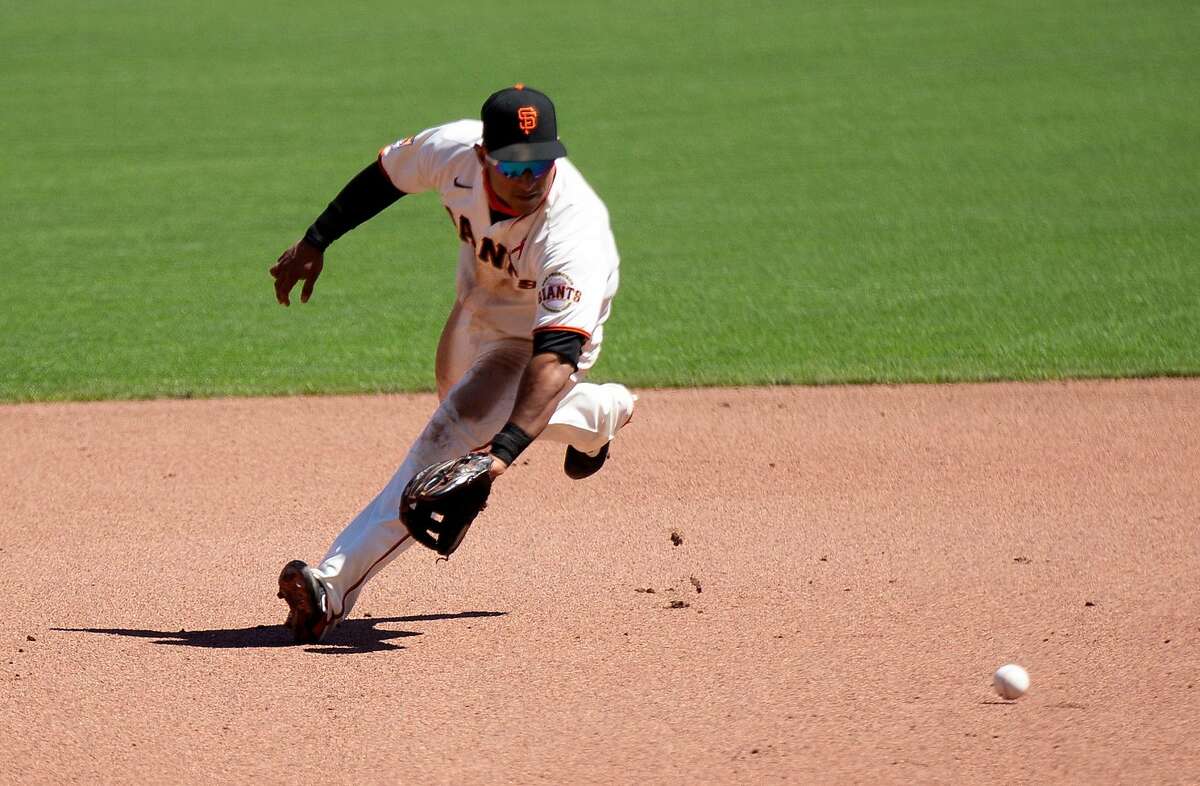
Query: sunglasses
x=514 y=169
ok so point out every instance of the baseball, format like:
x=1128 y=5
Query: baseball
x=1011 y=681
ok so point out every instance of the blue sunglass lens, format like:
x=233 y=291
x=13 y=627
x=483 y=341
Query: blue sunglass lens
x=515 y=169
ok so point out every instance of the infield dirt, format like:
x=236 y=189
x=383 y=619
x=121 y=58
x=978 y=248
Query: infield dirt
x=764 y=585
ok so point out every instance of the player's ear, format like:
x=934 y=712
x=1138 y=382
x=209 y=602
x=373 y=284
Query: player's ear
x=481 y=154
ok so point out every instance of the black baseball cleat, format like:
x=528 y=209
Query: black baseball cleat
x=579 y=465
x=305 y=596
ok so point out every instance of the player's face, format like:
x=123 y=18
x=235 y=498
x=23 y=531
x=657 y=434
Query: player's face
x=523 y=191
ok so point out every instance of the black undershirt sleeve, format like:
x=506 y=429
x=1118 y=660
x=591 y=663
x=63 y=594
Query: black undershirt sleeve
x=566 y=344
x=368 y=193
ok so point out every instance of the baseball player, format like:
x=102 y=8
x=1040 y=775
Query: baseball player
x=537 y=272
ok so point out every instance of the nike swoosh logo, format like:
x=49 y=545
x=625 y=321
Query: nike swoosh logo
x=462 y=185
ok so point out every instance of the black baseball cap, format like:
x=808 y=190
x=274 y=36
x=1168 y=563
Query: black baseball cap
x=519 y=125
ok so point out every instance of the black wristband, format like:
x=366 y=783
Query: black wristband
x=509 y=442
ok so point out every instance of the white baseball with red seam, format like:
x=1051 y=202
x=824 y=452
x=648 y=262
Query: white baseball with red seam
x=1011 y=681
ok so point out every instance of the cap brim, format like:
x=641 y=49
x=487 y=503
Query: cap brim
x=530 y=151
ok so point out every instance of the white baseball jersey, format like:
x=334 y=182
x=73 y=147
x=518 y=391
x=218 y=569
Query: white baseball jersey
x=552 y=269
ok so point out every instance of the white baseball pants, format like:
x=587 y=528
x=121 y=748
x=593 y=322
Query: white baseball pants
x=478 y=371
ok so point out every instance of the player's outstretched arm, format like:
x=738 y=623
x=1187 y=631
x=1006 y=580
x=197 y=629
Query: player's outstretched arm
x=364 y=197
x=440 y=501
x=546 y=378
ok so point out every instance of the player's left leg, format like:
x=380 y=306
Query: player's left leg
x=587 y=419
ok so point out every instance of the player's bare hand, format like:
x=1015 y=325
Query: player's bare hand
x=301 y=261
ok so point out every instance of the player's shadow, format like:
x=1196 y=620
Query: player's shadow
x=357 y=635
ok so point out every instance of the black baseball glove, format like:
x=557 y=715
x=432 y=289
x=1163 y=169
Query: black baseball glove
x=441 y=501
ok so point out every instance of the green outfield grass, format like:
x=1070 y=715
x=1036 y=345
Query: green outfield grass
x=802 y=192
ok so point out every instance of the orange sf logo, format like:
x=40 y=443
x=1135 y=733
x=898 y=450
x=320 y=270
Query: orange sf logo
x=527 y=117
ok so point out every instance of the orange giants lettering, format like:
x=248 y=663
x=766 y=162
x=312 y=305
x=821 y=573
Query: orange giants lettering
x=559 y=292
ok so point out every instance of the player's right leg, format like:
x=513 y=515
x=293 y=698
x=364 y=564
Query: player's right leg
x=472 y=409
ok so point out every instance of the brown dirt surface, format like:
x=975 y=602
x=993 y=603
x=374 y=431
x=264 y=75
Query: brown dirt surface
x=763 y=586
